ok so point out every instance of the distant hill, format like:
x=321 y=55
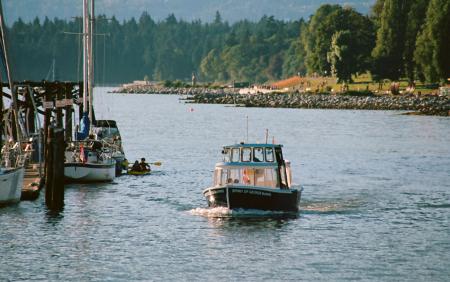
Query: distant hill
x=231 y=10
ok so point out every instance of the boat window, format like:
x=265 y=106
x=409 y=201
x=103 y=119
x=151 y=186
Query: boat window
x=269 y=154
x=278 y=155
x=235 y=155
x=258 y=155
x=235 y=176
x=226 y=155
x=288 y=173
x=283 y=177
x=248 y=176
x=217 y=176
x=246 y=154
x=224 y=178
x=260 y=177
x=263 y=177
x=266 y=177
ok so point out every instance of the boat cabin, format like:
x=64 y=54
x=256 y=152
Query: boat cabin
x=259 y=165
x=106 y=129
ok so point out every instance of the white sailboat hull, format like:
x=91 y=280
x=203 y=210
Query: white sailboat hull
x=11 y=183
x=89 y=172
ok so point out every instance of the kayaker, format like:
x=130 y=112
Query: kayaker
x=136 y=166
x=144 y=166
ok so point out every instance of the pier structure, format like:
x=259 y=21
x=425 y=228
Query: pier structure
x=46 y=112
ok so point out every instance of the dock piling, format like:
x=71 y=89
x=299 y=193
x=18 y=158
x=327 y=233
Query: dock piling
x=54 y=188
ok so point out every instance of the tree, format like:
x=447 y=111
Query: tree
x=324 y=24
x=432 y=54
x=294 y=59
x=389 y=49
x=416 y=18
x=212 y=66
x=316 y=41
x=342 y=56
x=376 y=11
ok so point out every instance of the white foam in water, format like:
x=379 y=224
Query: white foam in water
x=225 y=212
x=212 y=212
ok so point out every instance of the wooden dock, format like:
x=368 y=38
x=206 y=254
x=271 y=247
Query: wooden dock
x=32 y=183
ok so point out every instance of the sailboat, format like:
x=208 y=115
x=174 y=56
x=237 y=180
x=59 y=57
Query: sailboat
x=11 y=173
x=12 y=158
x=88 y=159
x=108 y=131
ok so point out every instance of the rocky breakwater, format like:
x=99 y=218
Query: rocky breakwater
x=151 y=89
x=427 y=105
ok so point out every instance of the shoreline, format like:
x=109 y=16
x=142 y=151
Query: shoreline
x=416 y=105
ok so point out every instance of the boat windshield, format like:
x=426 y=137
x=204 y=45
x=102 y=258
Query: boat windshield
x=226 y=155
x=250 y=154
x=269 y=155
x=263 y=177
x=258 y=154
x=106 y=132
x=246 y=154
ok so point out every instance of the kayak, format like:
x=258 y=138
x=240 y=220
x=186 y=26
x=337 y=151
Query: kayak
x=134 y=172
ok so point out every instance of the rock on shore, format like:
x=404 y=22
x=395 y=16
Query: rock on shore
x=150 y=89
x=428 y=105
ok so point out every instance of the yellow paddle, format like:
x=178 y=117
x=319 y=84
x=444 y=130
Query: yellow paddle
x=156 y=163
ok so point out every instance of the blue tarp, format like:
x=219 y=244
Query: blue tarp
x=84 y=127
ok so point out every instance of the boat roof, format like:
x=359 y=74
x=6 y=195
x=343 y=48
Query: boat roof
x=246 y=164
x=105 y=123
x=250 y=145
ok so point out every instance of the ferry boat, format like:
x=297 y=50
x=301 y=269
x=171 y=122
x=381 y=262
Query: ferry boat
x=253 y=176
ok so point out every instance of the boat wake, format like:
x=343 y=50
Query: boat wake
x=222 y=212
x=331 y=206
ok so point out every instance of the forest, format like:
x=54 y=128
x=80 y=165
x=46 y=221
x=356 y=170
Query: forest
x=398 y=39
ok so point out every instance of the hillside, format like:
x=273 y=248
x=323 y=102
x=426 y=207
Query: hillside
x=231 y=10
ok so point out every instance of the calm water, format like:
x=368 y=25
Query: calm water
x=376 y=202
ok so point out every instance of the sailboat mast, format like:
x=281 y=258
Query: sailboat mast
x=85 y=55
x=91 y=60
x=8 y=74
x=53 y=69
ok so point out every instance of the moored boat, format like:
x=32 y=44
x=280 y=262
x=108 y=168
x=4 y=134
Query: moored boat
x=253 y=176
x=11 y=181
x=89 y=161
x=12 y=158
x=107 y=131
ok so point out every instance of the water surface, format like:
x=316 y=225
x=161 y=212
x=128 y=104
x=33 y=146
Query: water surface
x=376 y=201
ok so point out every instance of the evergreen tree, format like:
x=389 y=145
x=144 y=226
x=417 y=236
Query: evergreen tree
x=432 y=47
x=389 y=49
x=416 y=18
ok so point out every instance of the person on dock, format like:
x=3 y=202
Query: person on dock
x=144 y=166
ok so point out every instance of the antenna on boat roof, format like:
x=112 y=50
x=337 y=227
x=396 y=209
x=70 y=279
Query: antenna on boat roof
x=247 y=128
x=267 y=134
x=273 y=139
